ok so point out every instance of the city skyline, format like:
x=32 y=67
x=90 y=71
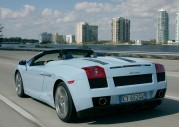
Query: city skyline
x=27 y=19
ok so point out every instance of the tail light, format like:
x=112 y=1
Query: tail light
x=159 y=68
x=94 y=72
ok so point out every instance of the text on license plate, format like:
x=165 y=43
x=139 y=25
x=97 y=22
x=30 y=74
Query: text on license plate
x=133 y=97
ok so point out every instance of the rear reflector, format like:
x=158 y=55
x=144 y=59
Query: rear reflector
x=71 y=82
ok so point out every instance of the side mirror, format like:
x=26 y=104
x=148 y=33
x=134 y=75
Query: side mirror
x=22 y=62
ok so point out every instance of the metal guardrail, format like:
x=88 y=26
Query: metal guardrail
x=137 y=54
x=133 y=48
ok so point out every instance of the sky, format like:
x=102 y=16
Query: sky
x=29 y=18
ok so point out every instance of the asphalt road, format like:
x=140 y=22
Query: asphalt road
x=32 y=110
x=11 y=118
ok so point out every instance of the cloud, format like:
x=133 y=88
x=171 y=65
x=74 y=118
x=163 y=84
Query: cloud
x=6 y=13
x=58 y=16
x=47 y=12
x=92 y=7
x=69 y=17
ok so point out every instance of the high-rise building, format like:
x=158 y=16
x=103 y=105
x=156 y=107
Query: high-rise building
x=120 y=30
x=162 y=27
x=45 y=37
x=61 y=39
x=93 y=33
x=58 y=39
x=177 y=28
x=55 y=38
x=86 y=33
x=70 y=38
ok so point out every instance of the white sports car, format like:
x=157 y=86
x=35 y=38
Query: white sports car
x=78 y=83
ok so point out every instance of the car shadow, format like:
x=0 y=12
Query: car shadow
x=168 y=107
x=41 y=102
x=26 y=96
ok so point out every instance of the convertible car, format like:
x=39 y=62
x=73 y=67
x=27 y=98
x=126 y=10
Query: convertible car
x=79 y=83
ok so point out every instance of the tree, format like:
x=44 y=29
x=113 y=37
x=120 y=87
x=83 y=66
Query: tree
x=1 y=31
x=152 y=42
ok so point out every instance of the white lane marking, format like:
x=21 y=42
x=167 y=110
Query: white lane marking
x=172 y=75
x=172 y=97
x=21 y=111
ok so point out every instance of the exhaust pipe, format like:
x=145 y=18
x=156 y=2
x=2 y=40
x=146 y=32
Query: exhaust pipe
x=160 y=93
x=102 y=101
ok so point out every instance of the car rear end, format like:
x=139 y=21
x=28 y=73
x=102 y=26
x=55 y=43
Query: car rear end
x=117 y=86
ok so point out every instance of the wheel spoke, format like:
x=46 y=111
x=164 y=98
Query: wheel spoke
x=62 y=109
x=65 y=107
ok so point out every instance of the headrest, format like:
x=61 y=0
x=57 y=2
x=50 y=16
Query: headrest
x=67 y=56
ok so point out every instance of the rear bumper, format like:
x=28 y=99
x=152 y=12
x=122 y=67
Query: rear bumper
x=102 y=110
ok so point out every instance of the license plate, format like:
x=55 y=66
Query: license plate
x=133 y=97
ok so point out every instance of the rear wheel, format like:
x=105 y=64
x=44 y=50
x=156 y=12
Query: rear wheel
x=19 y=85
x=63 y=103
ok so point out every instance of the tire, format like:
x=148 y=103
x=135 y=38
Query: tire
x=19 y=85
x=64 y=104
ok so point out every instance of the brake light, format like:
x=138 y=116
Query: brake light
x=159 y=68
x=95 y=72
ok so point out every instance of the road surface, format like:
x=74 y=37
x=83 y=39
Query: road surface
x=28 y=112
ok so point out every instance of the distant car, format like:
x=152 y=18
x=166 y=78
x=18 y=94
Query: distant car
x=78 y=83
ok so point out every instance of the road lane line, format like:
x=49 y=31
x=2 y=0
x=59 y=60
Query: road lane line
x=21 y=111
x=172 y=97
x=173 y=75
